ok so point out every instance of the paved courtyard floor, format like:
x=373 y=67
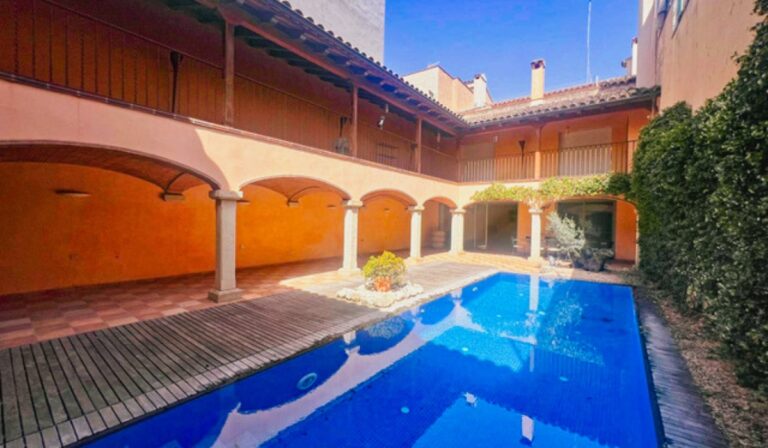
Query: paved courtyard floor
x=40 y=316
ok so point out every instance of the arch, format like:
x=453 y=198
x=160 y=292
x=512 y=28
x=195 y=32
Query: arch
x=397 y=195
x=294 y=188
x=170 y=177
x=442 y=200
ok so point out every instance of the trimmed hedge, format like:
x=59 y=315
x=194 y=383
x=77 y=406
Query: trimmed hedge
x=700 y=183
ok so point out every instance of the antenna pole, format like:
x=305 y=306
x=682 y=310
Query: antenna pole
x=589 y=29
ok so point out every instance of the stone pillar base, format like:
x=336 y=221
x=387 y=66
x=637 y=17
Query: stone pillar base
x=229 y=295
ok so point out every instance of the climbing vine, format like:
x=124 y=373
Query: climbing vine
x=557 y=188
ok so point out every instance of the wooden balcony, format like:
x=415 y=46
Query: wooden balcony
x=611 y=157
x=78 y=53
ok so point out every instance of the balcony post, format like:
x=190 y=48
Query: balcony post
x=353 y=129
x=535 y=234
x=229 y=74
x=417 y=155
x=349 y=260
x=457 y=230
x=225 y=285
x=416 y=231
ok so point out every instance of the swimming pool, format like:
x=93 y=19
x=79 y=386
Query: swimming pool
x=512 y=360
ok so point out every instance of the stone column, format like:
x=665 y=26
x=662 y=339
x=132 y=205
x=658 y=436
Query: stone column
x=416 y=230
x=349 y=263
x=535 y=234
x=457 y=230
x=225 y=286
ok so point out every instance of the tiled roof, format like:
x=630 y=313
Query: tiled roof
x=594 y=95
x=345 y=56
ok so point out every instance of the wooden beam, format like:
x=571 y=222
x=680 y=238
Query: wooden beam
x=417 y=156
x=353 y=129
x=229 y=74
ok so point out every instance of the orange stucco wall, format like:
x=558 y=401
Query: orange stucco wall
x=124 y=231
x=384 y=225
x=626 y=231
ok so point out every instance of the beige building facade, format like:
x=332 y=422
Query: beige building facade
x=689 y=47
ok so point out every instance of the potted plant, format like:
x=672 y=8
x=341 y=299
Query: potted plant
x=384 y=272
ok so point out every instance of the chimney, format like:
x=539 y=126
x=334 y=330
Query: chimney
x=480 y=90
x=537 y=79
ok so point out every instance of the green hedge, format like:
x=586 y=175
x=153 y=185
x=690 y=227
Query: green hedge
x=700 y=183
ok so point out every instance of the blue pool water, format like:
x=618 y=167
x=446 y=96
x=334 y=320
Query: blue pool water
x=509 y=361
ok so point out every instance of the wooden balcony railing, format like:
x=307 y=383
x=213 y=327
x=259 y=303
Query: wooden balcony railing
x=58 y=48
x=505 y=168
x=575 y=161
x=439 y=164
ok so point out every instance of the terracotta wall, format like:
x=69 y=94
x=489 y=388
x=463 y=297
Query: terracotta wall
x=384 y=225
x=626 y=231
x=124 y=231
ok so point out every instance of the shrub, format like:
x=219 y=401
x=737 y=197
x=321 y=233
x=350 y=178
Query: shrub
x=385 y=271
x=700 y=182
x=570 y=238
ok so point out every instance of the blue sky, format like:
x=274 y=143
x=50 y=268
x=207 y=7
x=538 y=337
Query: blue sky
x=501 y=37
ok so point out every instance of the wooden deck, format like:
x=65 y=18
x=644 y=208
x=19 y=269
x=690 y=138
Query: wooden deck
x=63 y=391
x=685 y=418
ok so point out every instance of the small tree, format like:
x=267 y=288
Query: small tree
x=570 y=238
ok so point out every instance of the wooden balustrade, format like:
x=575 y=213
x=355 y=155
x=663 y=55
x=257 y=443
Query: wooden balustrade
x=43 y=42
x=439 y=164
x=506 y=168
x=576 y=161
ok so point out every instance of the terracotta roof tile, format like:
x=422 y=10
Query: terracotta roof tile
x=571 y=98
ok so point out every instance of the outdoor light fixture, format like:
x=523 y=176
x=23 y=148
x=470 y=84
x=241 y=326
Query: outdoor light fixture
x=386 y=108
x=72 y=193
x=495 y=139
x=381 y=122
x=292 y=203
x=522 y=146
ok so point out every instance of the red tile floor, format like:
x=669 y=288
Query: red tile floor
x=38 y=316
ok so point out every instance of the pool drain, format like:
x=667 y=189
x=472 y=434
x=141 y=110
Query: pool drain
x=307 y=381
